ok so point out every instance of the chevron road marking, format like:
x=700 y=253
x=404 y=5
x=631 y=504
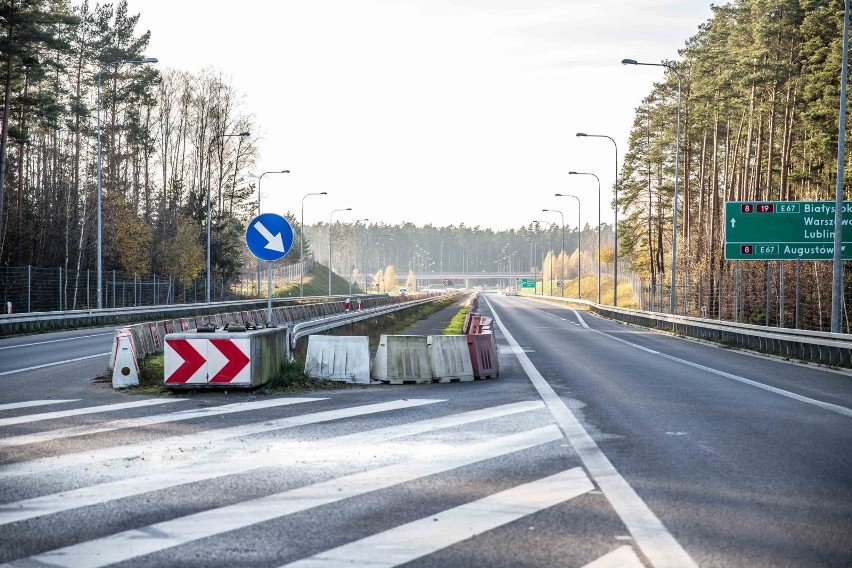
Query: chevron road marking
x=621 y=557
x=29 y=403
x=165 y=535
x=414 y=540
x=199 y=439
x=143 y=421
x=283 y=454
x=86 y=410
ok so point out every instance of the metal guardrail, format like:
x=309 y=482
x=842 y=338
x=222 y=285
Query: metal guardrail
x=306 y=328
x=817 y=346
x=36 y=322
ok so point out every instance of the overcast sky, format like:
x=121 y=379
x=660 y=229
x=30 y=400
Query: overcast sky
x=437 y=112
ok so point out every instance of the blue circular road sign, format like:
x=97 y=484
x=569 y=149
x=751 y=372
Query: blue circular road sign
x=269 y=236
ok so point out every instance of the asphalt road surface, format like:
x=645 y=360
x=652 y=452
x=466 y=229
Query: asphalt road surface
x=600 y=445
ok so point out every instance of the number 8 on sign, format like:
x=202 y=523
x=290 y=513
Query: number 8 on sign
x=746 y=249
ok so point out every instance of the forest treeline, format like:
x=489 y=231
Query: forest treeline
x=760 y=96
x=760 y=113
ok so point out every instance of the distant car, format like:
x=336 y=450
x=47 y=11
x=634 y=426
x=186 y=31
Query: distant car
x=403 y=292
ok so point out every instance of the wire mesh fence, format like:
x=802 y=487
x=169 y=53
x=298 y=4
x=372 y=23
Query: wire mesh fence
x=36 y=289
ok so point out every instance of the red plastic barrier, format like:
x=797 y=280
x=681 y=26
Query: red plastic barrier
x=155 y=337
x=475 y=324
x=483 y=356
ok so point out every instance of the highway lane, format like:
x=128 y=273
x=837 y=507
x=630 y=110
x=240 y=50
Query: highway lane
x=31 y=351
x=587 y=452
x=741 y=476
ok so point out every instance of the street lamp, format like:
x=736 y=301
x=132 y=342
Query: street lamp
x=549 y=232
x=258 y=212
x=209 y=219
x=302 y=244
x=599 y=225
x=100 y=218
x=579 y=233
x=615 y=226
x=329 y=244
x=561 y=268
x=671 y=68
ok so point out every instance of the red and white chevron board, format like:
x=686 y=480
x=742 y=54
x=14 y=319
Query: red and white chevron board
x=217 y=361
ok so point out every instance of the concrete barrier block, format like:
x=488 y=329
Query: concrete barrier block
x=449 y=358
x=344 y=358
x=402 y=359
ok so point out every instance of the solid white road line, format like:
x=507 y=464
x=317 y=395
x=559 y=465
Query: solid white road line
x=87 y=410
x=29 y=403
x=56 y=340
x=651 y=535
x=824 y=405
x=162 y=536
x=143 y=421
x=280 y=456
x=428 y=535
x=54 y=364
x=201 y=439
x=621 y=557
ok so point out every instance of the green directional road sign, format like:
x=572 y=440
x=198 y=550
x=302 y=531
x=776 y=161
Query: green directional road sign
x=784 y=230
x=527 y=283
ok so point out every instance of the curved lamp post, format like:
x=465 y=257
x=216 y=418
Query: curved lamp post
x=579 y=233
x=550 y=232
x=100 y=218
x=258 y=212
x=209 y=220
x=562 y=254
x=302 y=244
x=599 y=226
x=329 y=244
x=671 y=68
x=615 y=225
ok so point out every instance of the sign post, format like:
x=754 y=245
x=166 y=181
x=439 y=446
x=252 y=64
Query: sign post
x=784 y=230
x=269 y=237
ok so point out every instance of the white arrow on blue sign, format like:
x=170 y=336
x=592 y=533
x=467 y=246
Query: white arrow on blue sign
x=269 y=236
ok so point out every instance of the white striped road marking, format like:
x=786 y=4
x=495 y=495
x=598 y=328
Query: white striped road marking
x=200 y=439
x=428 y=535
x=162 y=536
x=621 y=557
x=56 y=340
x=651 y=535
x=278 y=455
x=54 y=364
x=30 y=403
x=87 y=410
x=824 y=405
x=143 y=421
